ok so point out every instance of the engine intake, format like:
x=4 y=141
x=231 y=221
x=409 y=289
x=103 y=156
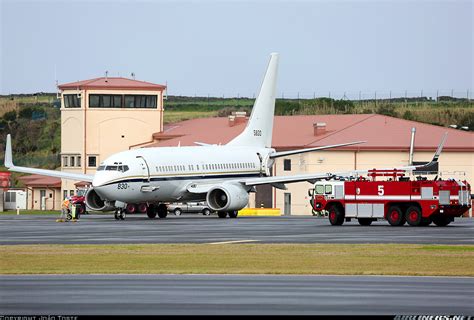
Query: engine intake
x=95 y=203
x=227 y=197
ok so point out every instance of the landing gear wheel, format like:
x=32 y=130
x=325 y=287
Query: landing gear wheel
x=395 y=216
x=177 y=212
x=413 y=216
x=336 y=215
x=441 y=221
x=365 y=221
x=233 y=214
x=122 y=214
x=116 y=215
x=206 y=212
x=222 y=214
x=162 y=210
x=151 y=211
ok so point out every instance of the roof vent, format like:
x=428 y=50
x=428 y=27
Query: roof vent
x=106 y=76
x=237 y=117
x=319 y=128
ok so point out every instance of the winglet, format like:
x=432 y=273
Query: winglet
x=8 y=152
x=440 y=148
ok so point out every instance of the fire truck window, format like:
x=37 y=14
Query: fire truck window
x=319 y=189
x=328 y=189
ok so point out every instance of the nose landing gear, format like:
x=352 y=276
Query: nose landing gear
x=120 y=214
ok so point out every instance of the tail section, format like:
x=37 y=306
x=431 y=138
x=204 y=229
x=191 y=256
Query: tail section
x=258 y=132
x=8 y=152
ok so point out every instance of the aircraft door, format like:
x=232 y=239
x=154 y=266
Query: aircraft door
x=265 y=164
x=145 y=169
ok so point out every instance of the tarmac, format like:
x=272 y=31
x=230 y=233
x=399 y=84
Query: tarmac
x=229 y=294
x=195 y=228
x=235 y=294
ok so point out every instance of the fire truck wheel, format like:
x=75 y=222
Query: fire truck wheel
x=395 y=216
x=336 y=216
x=365 y=221
x=425 y=222
x=413 y=216
x=441 y=221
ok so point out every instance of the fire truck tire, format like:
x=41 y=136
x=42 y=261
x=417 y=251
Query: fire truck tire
x=441 y=221
x=336 y=215
x=413 y=216
x=425 y=222
x=395 y=216
x=365 y=221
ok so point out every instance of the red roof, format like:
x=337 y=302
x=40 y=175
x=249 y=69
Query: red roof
x=292 y=132
x=36 y=180
x=112 y=83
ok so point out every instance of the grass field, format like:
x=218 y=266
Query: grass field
x=35 y=212
x=171 y=116
x=337 y=259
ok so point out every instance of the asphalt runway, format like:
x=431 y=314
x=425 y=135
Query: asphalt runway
x=194 y=228
x=234 y=294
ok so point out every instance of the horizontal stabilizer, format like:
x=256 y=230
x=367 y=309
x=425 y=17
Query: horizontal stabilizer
x=291 y=152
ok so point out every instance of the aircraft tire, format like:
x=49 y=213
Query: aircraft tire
x=151 y=212
x=222 y=214
x=233 y=214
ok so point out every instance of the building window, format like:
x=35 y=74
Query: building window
x=72 y=162
x=105 y=101
x=287 y=164
x=92 y=161
x=72 y=101
x=64 y=194
x=65 y=161
x=140 y=101
x=78 y=162
x=71 y=192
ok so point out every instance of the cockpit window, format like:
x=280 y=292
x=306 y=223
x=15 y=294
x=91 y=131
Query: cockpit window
x=101 y=168
x=122 y=168
x=111 y=168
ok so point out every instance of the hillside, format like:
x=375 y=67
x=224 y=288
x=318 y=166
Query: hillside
x=34 y=119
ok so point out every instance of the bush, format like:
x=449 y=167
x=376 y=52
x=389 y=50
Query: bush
x=387 y=110
x=10 y=116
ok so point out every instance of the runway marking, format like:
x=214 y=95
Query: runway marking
x=234 y=241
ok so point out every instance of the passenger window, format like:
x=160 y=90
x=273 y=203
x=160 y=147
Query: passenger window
x=328 y=189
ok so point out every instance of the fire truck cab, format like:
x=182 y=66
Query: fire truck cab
x=398 y=199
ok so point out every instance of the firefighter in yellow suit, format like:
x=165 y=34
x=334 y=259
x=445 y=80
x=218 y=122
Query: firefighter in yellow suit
x=65 y=210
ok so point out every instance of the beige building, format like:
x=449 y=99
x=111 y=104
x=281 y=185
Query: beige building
x=102 y=116
x=43 y=193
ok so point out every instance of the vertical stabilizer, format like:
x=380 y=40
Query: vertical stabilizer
x=258 y=132
x=8 y=152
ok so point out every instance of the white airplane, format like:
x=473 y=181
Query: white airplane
x=223 y=175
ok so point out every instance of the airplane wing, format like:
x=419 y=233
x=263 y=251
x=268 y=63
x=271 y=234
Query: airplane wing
x=50 y=173
x=280 y=181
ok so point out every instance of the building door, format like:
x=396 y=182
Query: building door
x=287 y=207
x=43 y=199
x=263 y=196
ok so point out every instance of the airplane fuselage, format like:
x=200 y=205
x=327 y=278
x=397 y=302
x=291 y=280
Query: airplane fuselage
x=167 y=174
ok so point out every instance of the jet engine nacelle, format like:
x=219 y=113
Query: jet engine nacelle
x=227 y=197
x=95 y=203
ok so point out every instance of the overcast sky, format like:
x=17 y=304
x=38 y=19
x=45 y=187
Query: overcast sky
x=222 y=48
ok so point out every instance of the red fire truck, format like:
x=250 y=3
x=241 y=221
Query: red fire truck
x=398 y=199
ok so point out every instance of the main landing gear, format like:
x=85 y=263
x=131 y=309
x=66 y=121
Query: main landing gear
x=161 y=210
x=224 y=214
